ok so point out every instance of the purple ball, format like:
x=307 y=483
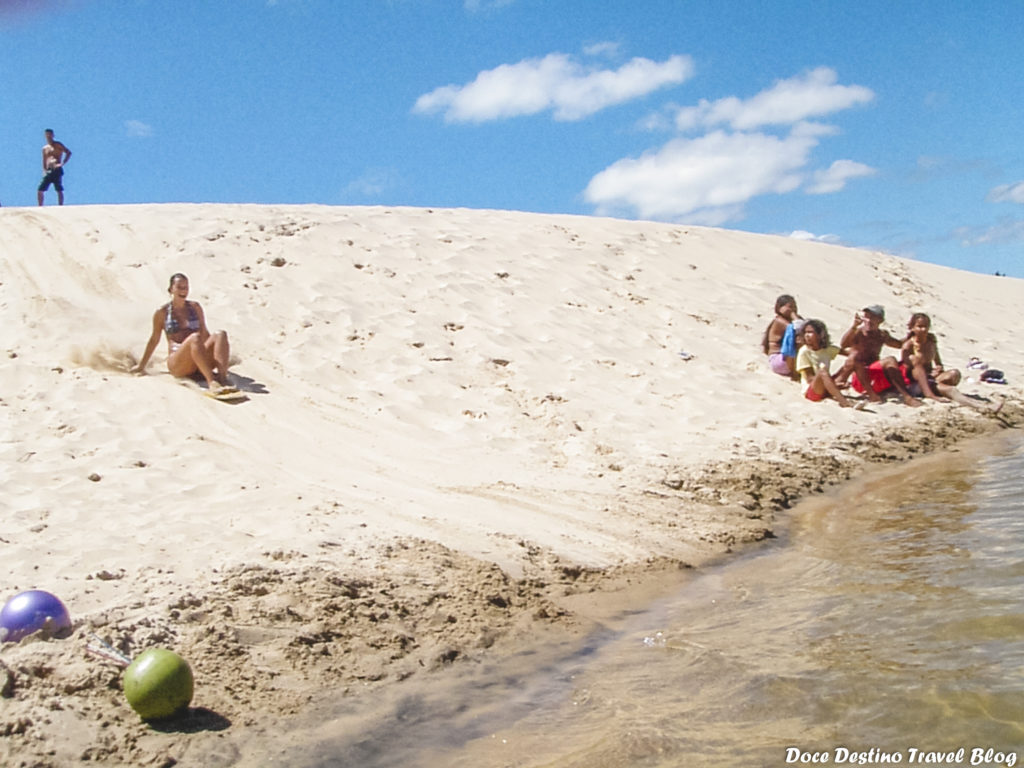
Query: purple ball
x=30 y=612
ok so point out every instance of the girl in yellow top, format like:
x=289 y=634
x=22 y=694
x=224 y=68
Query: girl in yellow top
x=813 y=362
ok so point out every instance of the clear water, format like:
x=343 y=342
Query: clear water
x=888 y=618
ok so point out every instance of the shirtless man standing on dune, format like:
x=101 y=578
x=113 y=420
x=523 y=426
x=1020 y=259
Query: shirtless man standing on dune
x=863 y=344
x=55 y=156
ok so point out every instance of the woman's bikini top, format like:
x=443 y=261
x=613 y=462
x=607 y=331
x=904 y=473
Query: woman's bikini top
x=171 y=324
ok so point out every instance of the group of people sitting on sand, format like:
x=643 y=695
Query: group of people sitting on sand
x=796 y=348
x=801 y=349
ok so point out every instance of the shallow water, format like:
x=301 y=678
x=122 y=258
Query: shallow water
x=887 y=618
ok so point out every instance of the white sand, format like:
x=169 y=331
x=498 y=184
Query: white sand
x=507 y=385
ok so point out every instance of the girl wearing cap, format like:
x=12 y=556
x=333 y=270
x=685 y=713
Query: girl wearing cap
x=863 y=344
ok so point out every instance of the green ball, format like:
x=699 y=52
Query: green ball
x=158 y=683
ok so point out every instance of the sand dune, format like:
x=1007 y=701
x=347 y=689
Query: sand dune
x=506 y=389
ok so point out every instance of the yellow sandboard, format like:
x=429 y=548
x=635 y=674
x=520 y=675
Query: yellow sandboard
x=227 y=395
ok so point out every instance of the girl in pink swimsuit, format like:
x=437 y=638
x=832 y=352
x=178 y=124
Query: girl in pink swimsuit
x=771 y=342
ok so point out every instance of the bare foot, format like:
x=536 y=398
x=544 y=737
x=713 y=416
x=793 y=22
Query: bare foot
x=912 y=401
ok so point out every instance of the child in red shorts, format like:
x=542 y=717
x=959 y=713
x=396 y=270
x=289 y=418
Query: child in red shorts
x=813 y=362
x=863 y=343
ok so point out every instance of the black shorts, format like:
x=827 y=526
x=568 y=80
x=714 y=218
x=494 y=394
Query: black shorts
x=53 y=176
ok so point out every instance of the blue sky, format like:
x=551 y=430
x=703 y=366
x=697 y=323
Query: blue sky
x=878 y=124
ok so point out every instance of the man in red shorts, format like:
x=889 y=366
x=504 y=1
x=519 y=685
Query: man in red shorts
x=863 y=345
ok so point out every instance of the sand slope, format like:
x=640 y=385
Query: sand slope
x=506 y=389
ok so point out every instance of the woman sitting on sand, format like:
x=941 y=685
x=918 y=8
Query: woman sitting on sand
x=772 y=342
x=191 y=347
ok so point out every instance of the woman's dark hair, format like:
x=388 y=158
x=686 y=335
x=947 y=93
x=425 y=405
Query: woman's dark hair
x=913 y=320
x=780 y=302
x=918 y=316
x=174 y=277
x=821 y=330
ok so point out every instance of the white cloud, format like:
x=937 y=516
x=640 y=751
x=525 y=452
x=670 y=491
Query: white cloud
x=929 y=163
x=1007 y=193
x=662 y=121
x=556 y=82
x=373 y=183
x=812 y=94
x=801 y=234
x=834 y=178
x=138 y=129
x=708 y=179
x=608 y=49
x=1006 y=231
